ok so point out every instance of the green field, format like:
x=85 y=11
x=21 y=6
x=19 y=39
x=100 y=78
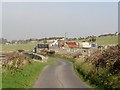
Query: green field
x=23 y=78
x=106 y=40
x=15 y=47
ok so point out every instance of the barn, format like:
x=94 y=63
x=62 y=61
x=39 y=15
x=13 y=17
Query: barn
x=72 y=46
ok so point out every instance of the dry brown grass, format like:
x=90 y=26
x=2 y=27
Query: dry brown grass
x=15 y=60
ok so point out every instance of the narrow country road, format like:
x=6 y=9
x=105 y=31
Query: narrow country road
x=60 y=74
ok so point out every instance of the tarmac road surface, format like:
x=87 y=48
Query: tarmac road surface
x=60 y=74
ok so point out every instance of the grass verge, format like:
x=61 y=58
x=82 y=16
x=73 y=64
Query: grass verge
x=98 y=78
x=24 y=78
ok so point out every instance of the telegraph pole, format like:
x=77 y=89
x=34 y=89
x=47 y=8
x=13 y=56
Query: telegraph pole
x=65 y=35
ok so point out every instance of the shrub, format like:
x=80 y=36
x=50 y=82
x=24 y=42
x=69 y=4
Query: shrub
x=76 y=54
x=15 y=61
x=106 y=68
x=109 y=58
x=20 y=50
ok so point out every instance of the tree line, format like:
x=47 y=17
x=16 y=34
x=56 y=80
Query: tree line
x=88 y=38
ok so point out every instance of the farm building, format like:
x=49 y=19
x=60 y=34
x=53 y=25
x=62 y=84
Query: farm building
x=58 y=42
x=40 y=47
x=55 y=42
x=72 y=46
x=85 y=45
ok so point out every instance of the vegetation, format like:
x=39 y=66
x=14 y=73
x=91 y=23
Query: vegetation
x=15 y=47
x=15 y=61
x=103 y=40
x=0 y=76
x=19 y=71
x=4 y=41
x=92 y=39
x=107 y=40
x=24 y=78
x=101 y=69
x=45 y=41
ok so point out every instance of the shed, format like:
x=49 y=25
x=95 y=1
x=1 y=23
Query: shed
x=72 y=46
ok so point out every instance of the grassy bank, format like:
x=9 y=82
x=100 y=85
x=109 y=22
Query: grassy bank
x=99 y=78
x=24 y=78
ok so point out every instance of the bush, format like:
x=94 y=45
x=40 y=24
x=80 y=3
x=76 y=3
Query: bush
x=51 y=52
x=76 y=54
x=109 y=58
x=105 y=70
x=20 y=50
x=101 y=69
x=15 y=61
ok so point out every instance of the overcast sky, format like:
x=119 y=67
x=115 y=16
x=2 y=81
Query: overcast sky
x=45 y=19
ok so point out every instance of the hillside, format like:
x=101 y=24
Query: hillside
x=104 y=40
x=107 y=40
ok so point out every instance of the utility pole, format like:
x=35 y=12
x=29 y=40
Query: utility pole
x=65 y=35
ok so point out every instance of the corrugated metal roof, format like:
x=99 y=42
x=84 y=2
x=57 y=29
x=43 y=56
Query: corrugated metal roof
x=72 y=45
